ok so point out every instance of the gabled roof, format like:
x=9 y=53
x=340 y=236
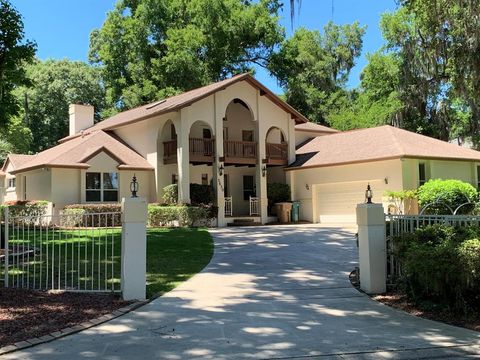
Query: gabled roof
x=379 y=143
x=314 y=128
x=185 y=99
x=16 y=160
x=76 y=153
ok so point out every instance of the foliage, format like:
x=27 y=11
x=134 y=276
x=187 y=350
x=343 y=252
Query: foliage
x=181 y=215
x=14 y=52
x=151 y=49
x=313 y=68
x=445 y=196
x=201 y=194
x=92 y=214
x=442 y=263
x=55 y=84
x=277 y=192
x=72 y=217
x=5 y=149
x=24 y=209
x=170 y=194
x=401 y=200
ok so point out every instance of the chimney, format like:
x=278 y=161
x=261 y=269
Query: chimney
x=81 y=117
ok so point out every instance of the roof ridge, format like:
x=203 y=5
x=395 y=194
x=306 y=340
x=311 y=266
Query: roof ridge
x=394 y=137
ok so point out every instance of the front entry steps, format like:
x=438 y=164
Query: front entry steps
x=244 y=221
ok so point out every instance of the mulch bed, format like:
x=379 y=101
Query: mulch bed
x=25 y=314
x=400 y=301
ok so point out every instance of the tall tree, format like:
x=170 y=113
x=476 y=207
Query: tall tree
x=15 y=51
x=153 y=48
x=55 y=85
x=313 y=67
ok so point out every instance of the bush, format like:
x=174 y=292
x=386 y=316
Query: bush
x=401 y=200
x=170 y=194
x=201 y=194
x=182 y=215
x=277 y=192
x=439 y=263
x=73 y=212
x=24 y=208
x=445 y=196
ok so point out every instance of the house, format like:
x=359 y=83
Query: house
x=330 y=173
x=237 y=136
x=234 y=134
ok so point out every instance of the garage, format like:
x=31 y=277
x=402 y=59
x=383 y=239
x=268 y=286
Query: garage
x=336 y=202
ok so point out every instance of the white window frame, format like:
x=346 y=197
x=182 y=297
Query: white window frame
x=102 y=189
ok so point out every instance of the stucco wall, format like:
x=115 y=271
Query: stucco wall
x=65 y=187
x=38 y=184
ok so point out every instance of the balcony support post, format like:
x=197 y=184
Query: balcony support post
x=183 y=156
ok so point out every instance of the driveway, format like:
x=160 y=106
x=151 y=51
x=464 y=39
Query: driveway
x=269 y=292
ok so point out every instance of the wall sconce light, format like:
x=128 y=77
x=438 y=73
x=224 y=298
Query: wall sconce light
x=134 y=186
x=386 y=180
x=220 y=170
x=368 y=194
x=307 y=186
x=264 y=170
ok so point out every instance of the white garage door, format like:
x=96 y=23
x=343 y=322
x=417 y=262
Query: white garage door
x=336 y=202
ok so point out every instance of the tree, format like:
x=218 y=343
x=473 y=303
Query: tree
x=14 y=53
x=5 y=149
x=55 y=85
x=150 y=49
x=313 y=68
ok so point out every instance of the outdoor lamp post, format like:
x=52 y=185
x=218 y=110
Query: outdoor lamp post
x=134 y=186
x=368 y=194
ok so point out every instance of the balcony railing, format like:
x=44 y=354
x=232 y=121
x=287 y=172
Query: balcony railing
x=170 y=152
x=200 y=150
x=240 y=152
x=277 y=153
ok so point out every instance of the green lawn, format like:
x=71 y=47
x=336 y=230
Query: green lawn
x=82 y=259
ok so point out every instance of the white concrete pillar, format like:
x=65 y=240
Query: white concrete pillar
x=134 y=248
x=261 y=181
x=372 y=251
x=219 y=180
x=183 y=156
x=291 y=139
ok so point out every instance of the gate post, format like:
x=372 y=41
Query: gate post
x=372 y=251
x=6 y=245
x=134 y=248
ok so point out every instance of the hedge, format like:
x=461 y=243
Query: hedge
x=181 y=215
x=442 y=263
x=77 y=215
x=24 y=208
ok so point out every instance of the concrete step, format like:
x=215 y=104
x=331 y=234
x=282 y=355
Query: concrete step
x=244 y=223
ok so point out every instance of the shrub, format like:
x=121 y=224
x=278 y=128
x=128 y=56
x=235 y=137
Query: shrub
x=401 y=200
x=92 y=214
x=277 y=192
x=201 y=194
x=444 y=196
x=181 y=215
x=170 y=194
x=24 y=208
x=73 y=217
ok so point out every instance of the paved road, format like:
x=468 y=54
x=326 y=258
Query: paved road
x=269 y=292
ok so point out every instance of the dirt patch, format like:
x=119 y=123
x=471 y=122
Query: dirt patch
x=428 y=311
x=25 y=314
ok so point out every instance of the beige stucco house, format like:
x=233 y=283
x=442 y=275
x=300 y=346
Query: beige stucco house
x=238 y=136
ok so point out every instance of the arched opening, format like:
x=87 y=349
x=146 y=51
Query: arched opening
x=276 y=147
x=167 y=143
x=239 y=134
x=201 y=143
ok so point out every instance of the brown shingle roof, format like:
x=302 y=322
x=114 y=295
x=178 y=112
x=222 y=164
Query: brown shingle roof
x=16 y=160
x=316 y=128
x=384 y=142
x=76 y=153
x=187 y=98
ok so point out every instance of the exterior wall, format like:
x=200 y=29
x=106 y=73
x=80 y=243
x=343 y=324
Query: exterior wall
x=373 y=172
x=12 y=194
x=235 y=175
x=38 y=184
x=66 y=188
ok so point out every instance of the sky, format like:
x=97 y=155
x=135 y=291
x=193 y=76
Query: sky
x=62 y=28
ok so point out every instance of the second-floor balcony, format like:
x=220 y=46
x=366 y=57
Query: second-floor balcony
x=235 y=152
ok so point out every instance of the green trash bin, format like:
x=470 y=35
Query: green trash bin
x=295 y=211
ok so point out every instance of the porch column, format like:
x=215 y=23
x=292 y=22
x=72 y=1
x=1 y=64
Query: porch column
x=219 y=180
x=183 y=156
x=261 y=180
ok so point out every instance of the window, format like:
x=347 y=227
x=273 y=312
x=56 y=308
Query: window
x=478 y=177
x=247 y=135
x=204 y=179
x=422 y=174
x=174 y=179
x=248 y=187
x=226 y=188
x=101 y=187
x=12 y=183
x=207 y=134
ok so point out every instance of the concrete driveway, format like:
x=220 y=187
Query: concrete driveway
x=269 y=292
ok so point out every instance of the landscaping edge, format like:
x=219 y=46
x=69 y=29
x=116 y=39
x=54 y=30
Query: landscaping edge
x=21 y=345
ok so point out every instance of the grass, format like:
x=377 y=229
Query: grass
x=86 y=260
